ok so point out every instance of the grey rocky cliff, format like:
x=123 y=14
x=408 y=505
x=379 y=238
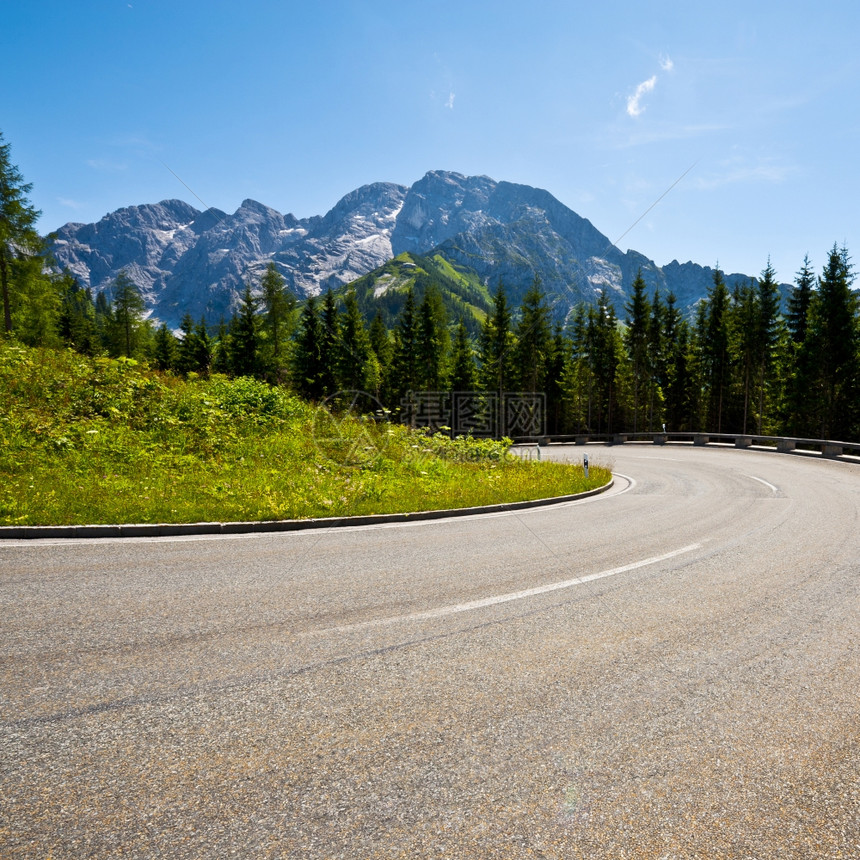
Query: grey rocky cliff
x=188 y=261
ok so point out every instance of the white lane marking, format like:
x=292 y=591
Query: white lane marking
x=774 y=490
x=503 y=598
x=631 y=484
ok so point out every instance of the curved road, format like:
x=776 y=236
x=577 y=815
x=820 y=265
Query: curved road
x=668 y=670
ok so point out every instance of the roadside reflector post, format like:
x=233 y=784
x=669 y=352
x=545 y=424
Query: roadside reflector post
x=585 y=464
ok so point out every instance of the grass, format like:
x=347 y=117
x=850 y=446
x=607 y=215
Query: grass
x=107 y=441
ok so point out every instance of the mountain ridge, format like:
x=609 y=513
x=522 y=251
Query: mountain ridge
x=185 y=260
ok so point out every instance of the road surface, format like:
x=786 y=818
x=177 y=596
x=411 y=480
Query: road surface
x=669 y=670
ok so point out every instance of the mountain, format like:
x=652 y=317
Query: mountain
x=462 y=293
x=472 y=230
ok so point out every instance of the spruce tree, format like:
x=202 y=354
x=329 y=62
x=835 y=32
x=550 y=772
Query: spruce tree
x=556 y=368
x=185 y=359
x=636 y=341
x=221 y=349
x=204 y=349
x=715 y=351
x=431 y=345
x=604 y=356
x=799 y=302
x=77 y=318
x=404 y=363
x=329 y=345
x=164 y=349
x=307 y=357
x=834 y=343
x=534 y=340
x=769 y=327
x=127 y=330
x=356 y=371
x=497 y=346
x=799 y=377
x=245 y=338
x=744 y=339
x=18 y=236
x=36 y=302
x=278 y=322
x=463 y=371
x=380 y=342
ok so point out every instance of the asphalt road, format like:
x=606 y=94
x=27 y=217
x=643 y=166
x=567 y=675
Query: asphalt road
x=668 y=670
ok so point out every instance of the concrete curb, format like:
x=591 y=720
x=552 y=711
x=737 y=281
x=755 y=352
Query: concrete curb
x=259 y=526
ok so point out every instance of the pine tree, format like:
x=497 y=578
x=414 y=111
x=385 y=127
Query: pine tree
x=534 y=341
x=658 y=361
x=128 y=328
x=329 y=345
x=356 y=370
x=744 y=338
x=404 y=363
x=800 y=301
x=164 y=348
x=307 y=361
x=769 y=329
x=185 y=352
x=799 y=370
x=636 y=341
x=556 y=369
x=833 y=341
x=77 y=317
x=432 y=342
x=18 y=236
x=578 y=382
x=497 y=346
x=380 y=342
x=221 y=349
x=278 y=323
x=245 y=338
x=680 y=393
x=715 y=351
x=36 y=302
x=463 y=371
x=604 y=355
x=204 y=349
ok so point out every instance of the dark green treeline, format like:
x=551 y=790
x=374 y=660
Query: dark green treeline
x=748 y=362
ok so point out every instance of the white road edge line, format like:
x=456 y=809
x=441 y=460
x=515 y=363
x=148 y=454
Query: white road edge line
x=774 y=489
x=503 y=598
x=12 y=543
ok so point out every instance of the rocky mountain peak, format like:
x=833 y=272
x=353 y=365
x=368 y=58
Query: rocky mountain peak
x=188 y=261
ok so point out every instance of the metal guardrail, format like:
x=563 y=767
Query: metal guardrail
x=781 y=444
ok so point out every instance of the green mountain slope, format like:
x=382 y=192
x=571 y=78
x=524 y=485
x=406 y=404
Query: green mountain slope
x=463 y=294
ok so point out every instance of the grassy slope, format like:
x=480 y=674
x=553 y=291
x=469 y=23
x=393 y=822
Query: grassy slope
x=463 y=295
x=84 y=441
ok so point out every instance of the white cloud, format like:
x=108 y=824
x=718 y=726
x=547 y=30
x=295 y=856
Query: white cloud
x=634 y=108
x=450 y=103
x=69 y=203
x=666 y=63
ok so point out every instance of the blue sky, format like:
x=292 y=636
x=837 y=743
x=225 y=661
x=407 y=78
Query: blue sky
x=756 y=104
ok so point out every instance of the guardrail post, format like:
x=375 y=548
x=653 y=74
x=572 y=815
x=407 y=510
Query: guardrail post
x=831 y=449
x=660 y=438
x=700 y=439
x=743 y=441
x=581 y=440
x=784 y=446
